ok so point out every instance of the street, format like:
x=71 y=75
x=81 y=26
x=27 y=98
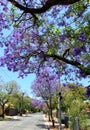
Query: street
x=29 y=122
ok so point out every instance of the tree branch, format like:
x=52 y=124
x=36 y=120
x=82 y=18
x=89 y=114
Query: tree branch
x=84 y=69
x=45 y=7
x=73 y=63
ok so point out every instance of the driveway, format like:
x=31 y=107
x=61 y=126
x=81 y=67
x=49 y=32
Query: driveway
x=29 y=122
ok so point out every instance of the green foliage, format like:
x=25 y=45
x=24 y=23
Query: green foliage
x=73 y=104
x=52 y=50
x=17 y=100
x=14 y=101
x=26 y=103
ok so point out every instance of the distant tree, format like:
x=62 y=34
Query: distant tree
x=6 y=91
x=36 y=105
x=19 y=101
x=26 y=103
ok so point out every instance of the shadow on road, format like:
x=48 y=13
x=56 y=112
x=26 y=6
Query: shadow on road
x=41 y=125
x=27 y=115
x=11 y=119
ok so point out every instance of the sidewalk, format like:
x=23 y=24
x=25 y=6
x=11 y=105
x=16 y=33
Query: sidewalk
x=49 y=124
x=12 y=117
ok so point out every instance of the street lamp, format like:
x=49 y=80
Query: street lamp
x=59 y=104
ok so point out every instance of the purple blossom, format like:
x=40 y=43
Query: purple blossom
x=88 y=91
x=2 y=61
x=85 y=61
x=71 y=87
x=76 y=51
x=62 y=38
x=36 y=103
x=83 y=48
x=65 y=85
x=45 y=83
x=21 y=74
x=62 y=23
x=1 y=44
x=82 y=37
x=6 y=51
x=82 y=74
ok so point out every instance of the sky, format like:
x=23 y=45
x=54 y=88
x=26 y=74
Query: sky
x=24 y=83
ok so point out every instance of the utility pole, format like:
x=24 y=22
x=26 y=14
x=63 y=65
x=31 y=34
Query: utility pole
x=59 y=105
x=21 y=108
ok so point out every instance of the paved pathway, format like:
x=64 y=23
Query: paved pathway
x=29 y=122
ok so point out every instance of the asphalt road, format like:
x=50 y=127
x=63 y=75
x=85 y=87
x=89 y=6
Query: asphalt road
x=29 y=122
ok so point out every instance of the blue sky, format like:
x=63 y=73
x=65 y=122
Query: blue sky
x=24 y=83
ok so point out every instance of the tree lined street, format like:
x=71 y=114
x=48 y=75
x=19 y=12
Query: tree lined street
x=51 y=39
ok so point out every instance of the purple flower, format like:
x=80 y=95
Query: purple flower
x=62 y=23
x=6 y=51
x=71 y=87
x=83 y=48
x=76 y=51
x=82 y=74
x=62 y=38
x=82 y=37
x=1 y=44
x=2 y=61
x=21 y=74
x=88 y=91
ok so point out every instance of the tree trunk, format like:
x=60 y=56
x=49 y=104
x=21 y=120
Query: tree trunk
x=51 y=114
x=3 y=116
x=52 y=119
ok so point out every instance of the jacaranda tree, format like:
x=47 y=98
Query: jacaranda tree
x=36 y=105
x=34 y=33
x=45 y=86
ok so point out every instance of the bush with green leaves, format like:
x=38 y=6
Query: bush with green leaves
x=73 y=104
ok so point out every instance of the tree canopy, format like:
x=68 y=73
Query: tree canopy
x=55 y=35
